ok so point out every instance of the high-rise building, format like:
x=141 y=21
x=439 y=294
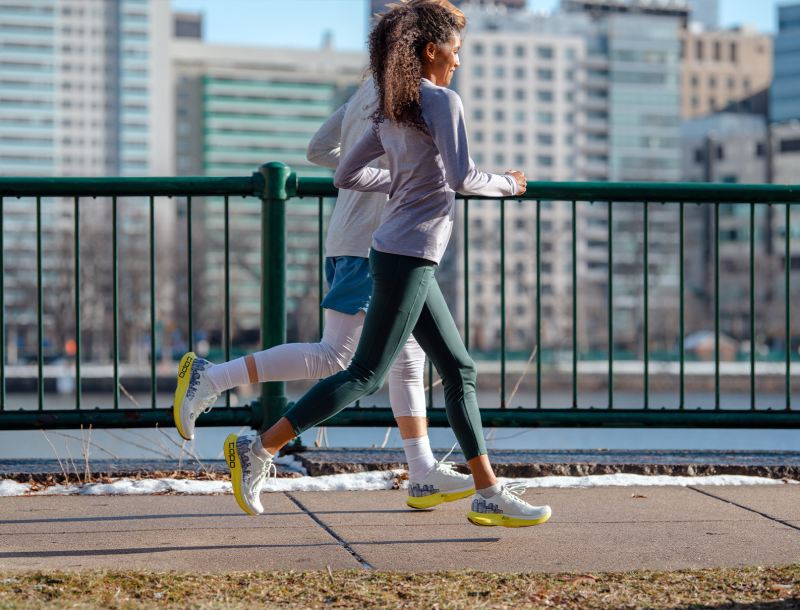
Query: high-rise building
x=85 y=93
x=239 y=107
x=785 y=93
x=724 y=71
x=539 y=94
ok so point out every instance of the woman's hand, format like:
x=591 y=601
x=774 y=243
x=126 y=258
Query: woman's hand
x=519 y=176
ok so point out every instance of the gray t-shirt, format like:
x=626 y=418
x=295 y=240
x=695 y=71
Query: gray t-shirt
x=425 y=171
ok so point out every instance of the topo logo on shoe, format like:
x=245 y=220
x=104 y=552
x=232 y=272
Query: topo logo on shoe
x=185 y=367
x=231 y=455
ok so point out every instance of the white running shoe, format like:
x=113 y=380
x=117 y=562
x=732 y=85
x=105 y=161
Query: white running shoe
x=506 y=508
x=194 y=395
x=249 y=471
x=442 y=484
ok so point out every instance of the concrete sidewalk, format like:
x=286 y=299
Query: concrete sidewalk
x=598 y=529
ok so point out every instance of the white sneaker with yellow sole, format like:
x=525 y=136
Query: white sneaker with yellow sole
x=442 y=484
x=249 y=471
x=194 y=394
x=507 y=509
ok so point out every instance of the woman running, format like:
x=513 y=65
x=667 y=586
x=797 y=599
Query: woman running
x=419 y=126
x=355 y=218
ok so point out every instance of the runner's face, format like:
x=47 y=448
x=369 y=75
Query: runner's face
x=445 y=61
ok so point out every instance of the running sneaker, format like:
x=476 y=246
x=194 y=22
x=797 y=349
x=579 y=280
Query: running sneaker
x=249 y=471
x=442 y=484
x=506 y=508
x=194 y=395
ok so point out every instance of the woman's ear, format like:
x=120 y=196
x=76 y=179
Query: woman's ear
x=429 y=52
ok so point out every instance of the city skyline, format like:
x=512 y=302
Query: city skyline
x=304 y=23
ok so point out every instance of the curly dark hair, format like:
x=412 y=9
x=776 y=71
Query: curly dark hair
x=396 y=44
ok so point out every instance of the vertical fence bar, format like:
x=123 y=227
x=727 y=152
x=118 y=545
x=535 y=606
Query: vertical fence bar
x=77 y=276
x=574 y=305
x=320 y=265
x=153 y=380
x=39 y=304
x=273 y=281
x=538 y=304
x=716 y=306
x=752 y=307
x=190 y=339
x=682 y=309
x=115 y=296
x=610 y=307
x=2 y=311
x=646 y=320
x=502 y=303
x=466 y=273
x=787 y=268
x=227 y=288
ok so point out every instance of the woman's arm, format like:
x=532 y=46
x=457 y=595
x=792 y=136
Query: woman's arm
x=444 y=116
x=325 y=147
x=353 y=172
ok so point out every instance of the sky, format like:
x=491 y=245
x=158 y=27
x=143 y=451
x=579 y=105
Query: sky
x=302 y=23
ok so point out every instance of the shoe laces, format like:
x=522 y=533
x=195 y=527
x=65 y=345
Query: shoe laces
x=447 y=467
x=266 y=471
x=515 y=489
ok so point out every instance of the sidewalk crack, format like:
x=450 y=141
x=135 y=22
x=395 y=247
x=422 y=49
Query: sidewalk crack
x=342 y=542
x=742 y=506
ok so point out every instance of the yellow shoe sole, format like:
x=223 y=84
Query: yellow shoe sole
x=502 y=520
x=184 y=375
x=232 y=457
x=436 y=499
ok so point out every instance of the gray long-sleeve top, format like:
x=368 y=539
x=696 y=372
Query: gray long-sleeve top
x=425 y=171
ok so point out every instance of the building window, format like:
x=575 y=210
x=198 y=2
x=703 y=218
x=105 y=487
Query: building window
x=519 y=116
x=698 y=50
x=717 y=50
x=477 y=49
x=731 y=83
x=734 y=52
x=761 y=150
x=477 y=93
x=519 y=94
x=499 y=115
x=519 y=51
x=544 y=161
x=695 y=102
x=544 y=52
x=477 y=114
x=544 y=96
x=499 y=50
x=720 y=152
x=712 y=82
x=499 y=137
x=544 y=74
x=519 y=159
x=477 y=70
x=499 y=93
x=478 y=136
x=545 y=139
x=569 y=52
x=499 y=159
x=545 y=118
x=500 y=71
x=790 y=146
x=699 y=155
x=695 y=80
x=519 y=137
x=519 y=72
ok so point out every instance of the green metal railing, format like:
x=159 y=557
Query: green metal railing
x=275 y=185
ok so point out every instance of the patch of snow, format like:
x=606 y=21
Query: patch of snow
x=362 y=481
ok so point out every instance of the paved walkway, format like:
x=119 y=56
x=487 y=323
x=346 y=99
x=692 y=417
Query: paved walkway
x=598 y=529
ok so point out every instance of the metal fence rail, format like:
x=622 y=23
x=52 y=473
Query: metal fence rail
x=274 y=184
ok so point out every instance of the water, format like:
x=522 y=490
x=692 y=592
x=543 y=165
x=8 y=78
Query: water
x=151 y=444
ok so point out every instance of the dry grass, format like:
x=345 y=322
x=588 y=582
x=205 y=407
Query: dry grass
x=751 y=588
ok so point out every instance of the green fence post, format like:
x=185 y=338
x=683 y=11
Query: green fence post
x=279 y=184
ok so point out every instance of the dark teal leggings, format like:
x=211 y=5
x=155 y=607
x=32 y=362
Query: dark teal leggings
x=405 y=299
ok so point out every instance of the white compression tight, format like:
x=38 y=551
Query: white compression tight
x=332 y=354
